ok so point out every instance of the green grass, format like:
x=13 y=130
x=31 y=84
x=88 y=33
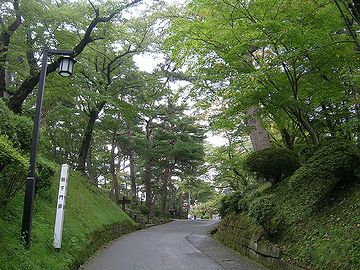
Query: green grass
x=314 y=215
x=329 y=236
x=88 y=212
x=323 y=236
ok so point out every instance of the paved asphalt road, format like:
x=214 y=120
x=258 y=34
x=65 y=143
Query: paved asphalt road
x=179 y=245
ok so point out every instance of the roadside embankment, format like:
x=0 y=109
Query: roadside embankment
x=327 y=238
x=236 y=232
x=91 y=220
x=310 y=219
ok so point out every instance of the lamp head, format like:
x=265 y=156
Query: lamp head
x=66 y=66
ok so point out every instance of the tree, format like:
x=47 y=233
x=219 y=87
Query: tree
x=108 y=85
x=181 y=140
x=279 y=59
x=28 y=84
x=9 y=25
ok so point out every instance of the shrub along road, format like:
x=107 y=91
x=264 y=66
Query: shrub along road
x=182 y=244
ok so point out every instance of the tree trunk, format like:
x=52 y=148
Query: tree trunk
x=148 y=167
x=307 y=126
x=16 y=101
x=86 y=142
x=132 y=169
x=258 y=135
x=132 y=176
x=148 y=192
x=2 y=77
x=287 y=139
x=87 y=138
x=164 y=190
x=115 y=181
x=92 y=172
x=181 y=202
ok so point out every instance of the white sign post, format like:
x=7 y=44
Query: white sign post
x=59 y=220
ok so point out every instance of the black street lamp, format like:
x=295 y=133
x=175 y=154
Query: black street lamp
x=65 y=69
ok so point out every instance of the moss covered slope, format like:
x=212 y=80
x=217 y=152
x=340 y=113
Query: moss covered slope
x=312 y=218
x=329 y=237
x=91 y=219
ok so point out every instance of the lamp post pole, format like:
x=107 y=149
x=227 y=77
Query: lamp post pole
x=30 y=180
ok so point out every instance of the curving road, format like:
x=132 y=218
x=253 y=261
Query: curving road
x=179 y=245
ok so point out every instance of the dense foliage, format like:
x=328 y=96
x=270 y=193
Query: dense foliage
x=15 y=141
x=18 y=129
x=111 y=112
x=230 y=203
x=13 y=168
x=278 y=80
x=273 y=164
x=335 y=163
x=45 y=171
x=295 y=62
x=262 y=210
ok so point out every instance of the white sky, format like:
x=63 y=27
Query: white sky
x=215 y=140
x=147 y=62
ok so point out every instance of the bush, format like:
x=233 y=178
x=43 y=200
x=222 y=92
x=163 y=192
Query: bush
x=273 y=164
x=45 y=171
x=334 y=162
x=249 y=194
x=230 y=203
x=144 y=210
x=262 y=210
x=157 y=212
x=18 y=129
x=13 y=170
x=206 y=210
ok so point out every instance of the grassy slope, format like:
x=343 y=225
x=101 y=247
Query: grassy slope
x=315 y=217
x=326 y=237
x=329 y=236
x=87 y=211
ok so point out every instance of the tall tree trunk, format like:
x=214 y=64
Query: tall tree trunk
x=164 y=190
x=2 y=76
x=87 y=138
x=132 y=176
x=92 y=172
x=181 y=202
x=148 y=191
x=86 y=141
x=259 y=136
x=287 y=139
x=115 y=181
x=148 y=167
x=132 y=169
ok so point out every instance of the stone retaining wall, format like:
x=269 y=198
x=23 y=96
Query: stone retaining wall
x=236 y=233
